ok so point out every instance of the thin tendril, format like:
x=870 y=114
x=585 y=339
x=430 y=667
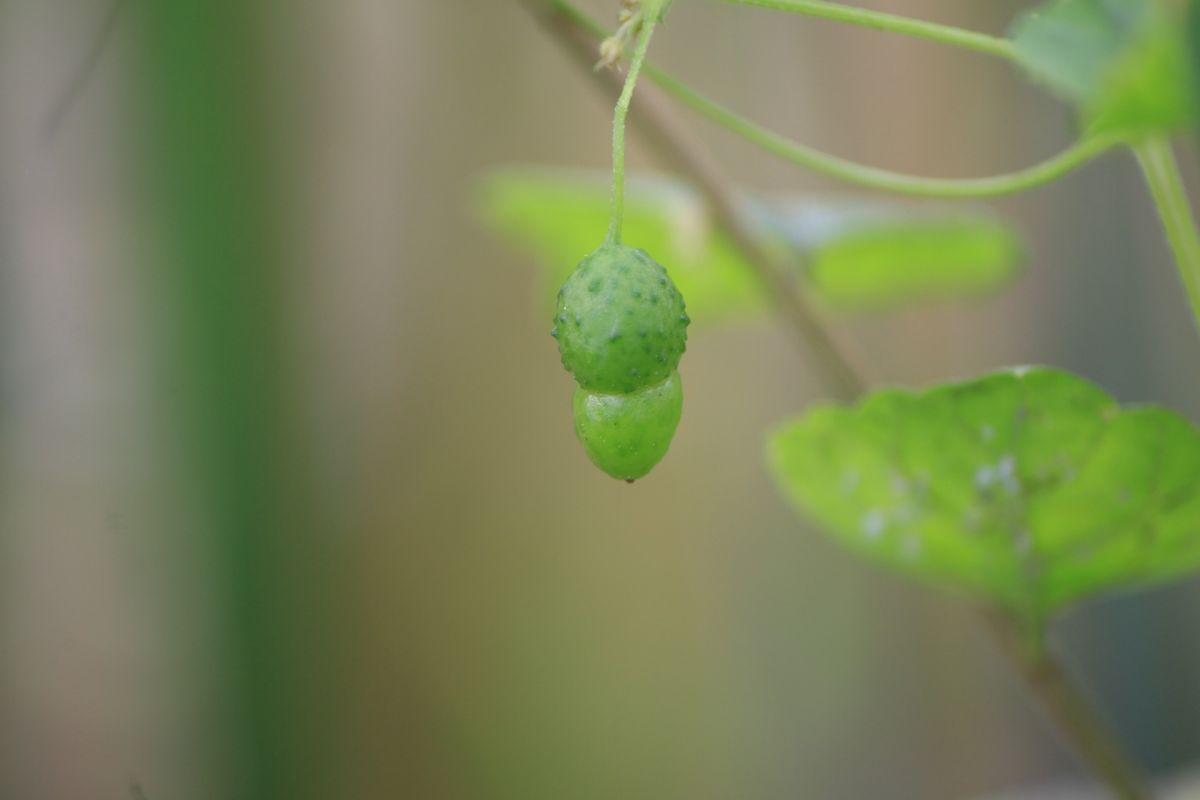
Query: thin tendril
x=849 y=171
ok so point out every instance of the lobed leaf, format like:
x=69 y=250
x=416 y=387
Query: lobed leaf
x=1030 y=488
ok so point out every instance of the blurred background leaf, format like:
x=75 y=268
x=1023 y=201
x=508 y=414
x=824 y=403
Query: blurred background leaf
x=562 y=216
x=857 y=255
x=868 y=255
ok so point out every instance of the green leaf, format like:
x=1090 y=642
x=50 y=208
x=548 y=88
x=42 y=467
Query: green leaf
x=858 y=257
x=1030 y=488
x=562 y=216
x=1070 y=44
x=1123 y=63
x=875 y=257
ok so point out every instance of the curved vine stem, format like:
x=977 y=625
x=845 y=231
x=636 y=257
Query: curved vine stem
x=1162 y=176
x=892 y=23
x=850 y=171
x=651 y=14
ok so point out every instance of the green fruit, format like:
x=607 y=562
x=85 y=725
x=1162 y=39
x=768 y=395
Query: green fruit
x=627 y=434
x=621 y=324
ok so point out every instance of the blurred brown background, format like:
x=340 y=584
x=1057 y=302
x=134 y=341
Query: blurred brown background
x=447 y=600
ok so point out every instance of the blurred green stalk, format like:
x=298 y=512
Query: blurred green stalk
x=209 y=171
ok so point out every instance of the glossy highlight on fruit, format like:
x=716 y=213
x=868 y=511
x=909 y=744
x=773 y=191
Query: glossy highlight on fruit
x=620 y=322
x=626 y=435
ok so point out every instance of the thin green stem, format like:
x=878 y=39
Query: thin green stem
x=848 y=171
x=945 y=34
x=650 y=19
x=1162 y=176
x=872 y=177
